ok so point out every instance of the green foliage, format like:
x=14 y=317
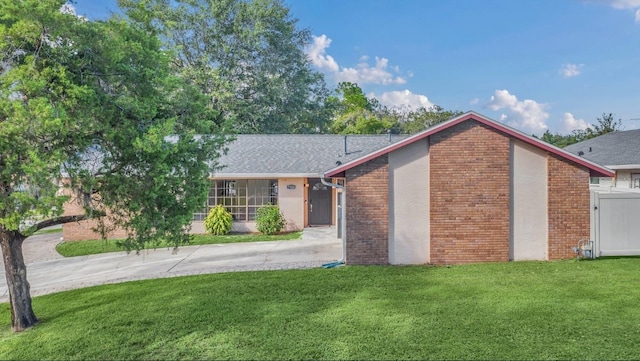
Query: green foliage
x=501 y=311
x=354 y=113
x=352 y=98
x=269 y=219
x=605 y=124
x=247 y=56
x=361 y=122
x=562 y=141
x=95 y=107
x=422 y=118
x=219 y=221
x=98 y=104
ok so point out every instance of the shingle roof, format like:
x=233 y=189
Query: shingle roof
x=295 y=154
x=611 y=149
x=594 y=169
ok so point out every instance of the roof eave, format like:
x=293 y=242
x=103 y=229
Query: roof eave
x=263 y=175
x=624 y=166
x=593 y=173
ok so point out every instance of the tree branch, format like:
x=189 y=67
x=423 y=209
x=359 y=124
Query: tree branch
x=61 y=220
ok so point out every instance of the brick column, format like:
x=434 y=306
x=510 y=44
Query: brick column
x=568 y=206
x=367 y=212
x=470 y=180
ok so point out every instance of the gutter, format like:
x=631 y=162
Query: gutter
x=343 y=226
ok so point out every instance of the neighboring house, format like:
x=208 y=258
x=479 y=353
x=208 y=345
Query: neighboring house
x=467 y=190
x=619 y=151
x=277 y=169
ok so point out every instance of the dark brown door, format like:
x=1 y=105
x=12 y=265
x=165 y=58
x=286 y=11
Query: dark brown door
x=319 y=203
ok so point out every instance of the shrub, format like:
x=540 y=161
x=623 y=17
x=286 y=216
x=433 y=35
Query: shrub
x=218 y=221
x=269 y=219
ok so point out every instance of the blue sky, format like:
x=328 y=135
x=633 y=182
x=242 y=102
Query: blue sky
x=533 y=64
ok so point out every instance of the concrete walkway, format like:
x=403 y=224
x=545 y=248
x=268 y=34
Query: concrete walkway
x=48 y=272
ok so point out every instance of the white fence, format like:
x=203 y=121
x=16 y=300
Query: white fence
x=615 y=221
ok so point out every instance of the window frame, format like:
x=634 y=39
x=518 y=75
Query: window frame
x=241 y=197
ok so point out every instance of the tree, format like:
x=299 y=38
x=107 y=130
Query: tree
x=423 y=118
x=606 y=124
x=350 y=97
x=354 y=113
x=248 y=55
x=562 y=141
x=361 y=121
x=92 y=109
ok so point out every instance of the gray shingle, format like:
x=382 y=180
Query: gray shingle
x=611 y=149
x=296 y=153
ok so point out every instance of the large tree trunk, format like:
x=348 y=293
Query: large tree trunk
x=22 y=316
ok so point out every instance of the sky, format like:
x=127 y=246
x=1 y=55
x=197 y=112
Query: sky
x=535 y=65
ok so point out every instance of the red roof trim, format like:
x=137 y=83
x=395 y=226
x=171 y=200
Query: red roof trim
x=595 y=170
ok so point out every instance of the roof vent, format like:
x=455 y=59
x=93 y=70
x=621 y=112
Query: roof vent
x=581 y=153
x=589 y=149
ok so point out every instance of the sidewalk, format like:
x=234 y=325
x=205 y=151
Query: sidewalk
x=48 y=272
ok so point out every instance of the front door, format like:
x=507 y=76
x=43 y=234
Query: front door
x=319 y=203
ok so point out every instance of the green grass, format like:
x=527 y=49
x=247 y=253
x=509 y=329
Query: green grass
x=522 y=310
x=49 y=231
x=83 y=248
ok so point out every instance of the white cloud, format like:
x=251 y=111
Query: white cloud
x=526 y=115
x=316 y=51
x=627 y=5
x=402 y=98
x=570 y=123
x=68 y=9
x=474 y=101
x=624 y=4
x=362 y=73
x=570 y=70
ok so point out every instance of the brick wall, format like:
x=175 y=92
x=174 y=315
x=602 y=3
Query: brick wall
x=470 y=180
x=80 y=231
x=367 y=212
x=568 y=206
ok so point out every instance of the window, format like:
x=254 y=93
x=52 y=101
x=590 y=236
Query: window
x=319 y=187
x=241 y=197
x=594 y=180
x=635 y=180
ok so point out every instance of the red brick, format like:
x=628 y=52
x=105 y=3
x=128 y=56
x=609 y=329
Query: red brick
x=470 y=180
x=568 y=206
x=367 y=212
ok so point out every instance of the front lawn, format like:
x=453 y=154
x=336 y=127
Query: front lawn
x=522 y=310
x=83 y=248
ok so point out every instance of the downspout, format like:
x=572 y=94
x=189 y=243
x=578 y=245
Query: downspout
x=343 y=198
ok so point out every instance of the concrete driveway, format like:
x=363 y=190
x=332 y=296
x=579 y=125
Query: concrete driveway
x=48 y=272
